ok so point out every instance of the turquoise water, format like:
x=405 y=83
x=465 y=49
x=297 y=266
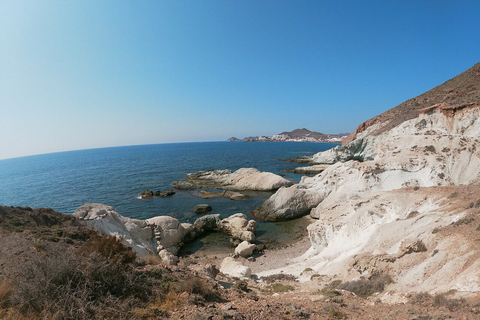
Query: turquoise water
x=115 y=176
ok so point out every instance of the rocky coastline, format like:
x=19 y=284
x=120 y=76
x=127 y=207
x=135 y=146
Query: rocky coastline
x=394 y=224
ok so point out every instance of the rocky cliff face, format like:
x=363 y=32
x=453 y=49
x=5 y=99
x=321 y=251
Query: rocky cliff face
x=401 y=197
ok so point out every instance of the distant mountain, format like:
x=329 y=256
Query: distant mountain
x=297 y=135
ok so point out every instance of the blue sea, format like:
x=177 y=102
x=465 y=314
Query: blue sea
x=115 y=176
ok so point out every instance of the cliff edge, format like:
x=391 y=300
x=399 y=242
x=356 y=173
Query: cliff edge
x=401 y=198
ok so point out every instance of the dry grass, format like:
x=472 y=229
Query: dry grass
x=366 y=287
x=52 y=269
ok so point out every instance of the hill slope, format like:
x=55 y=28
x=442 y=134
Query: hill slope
x=460 y=90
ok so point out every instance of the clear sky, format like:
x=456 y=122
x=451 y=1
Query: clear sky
x=87 y=74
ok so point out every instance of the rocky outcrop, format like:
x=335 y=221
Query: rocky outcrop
x=242 y=179
x=432 y=150
x=314 y=169
x=238 y=228
x=148 y=194
x=202 y=208
x=161 y=235
x=289 y=203
x=137 y=234
x=397 y=201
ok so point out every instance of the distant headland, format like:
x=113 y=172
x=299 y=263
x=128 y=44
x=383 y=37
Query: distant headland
x=297 y=135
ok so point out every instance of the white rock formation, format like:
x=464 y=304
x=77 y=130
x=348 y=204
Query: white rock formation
x=412 y=154
x=233 y=268
x=137 y=234
x=245 y=249
x=242 y=179
x=238 y=227
x=384 y=214
x=162 y=235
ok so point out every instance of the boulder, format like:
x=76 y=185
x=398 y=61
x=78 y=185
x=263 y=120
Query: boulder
x=165 y=193
x=288 y=203
x=185 y=185
x=242 y=179
x=245 y=249
x=238 y=227
x=234 y=268
x=169 y=232
x=146 y=194
x=202 y=208
x=208 y=222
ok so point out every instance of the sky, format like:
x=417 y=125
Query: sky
x=89 y=74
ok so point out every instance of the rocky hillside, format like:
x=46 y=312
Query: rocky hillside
x=297 y=135
x=401 y=198
x=463 y=89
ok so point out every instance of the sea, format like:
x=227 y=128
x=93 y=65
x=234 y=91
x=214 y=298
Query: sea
x=115 y=176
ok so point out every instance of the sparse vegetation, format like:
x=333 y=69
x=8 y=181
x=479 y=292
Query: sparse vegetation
x=278 y=288
x=465 y=220
x=451 y=304
x=366 y=287
x=420 y=298
x=429 y=149
x=336 y=314
x=452 y=195
x=76 y=274
x=413 y=214
x=278 y=277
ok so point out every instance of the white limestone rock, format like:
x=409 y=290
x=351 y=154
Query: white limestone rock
x=245 y=249
x=242 y=179
x=137 y=234
x=233 y=268
x=238 y=227
x=288 y=203
x=373 y=213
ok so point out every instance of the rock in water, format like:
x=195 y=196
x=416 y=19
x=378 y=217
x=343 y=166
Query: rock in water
x=242 y=179
x=202 y=208
x=208 y=222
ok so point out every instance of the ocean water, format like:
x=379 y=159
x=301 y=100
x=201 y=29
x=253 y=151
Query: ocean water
x=115 y=176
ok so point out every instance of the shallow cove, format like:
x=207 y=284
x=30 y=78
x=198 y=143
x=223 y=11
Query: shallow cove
x=273 y=235
x=115 y=176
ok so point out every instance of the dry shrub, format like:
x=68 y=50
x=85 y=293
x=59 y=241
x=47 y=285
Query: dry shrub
x=6 y=290
x=465 y=220
x=108 y=247
x=420 y=298
x=278 y=277
x=452 y=304
x=199 y=286
x=366 y=287
x=277 y=288
x=64 y=284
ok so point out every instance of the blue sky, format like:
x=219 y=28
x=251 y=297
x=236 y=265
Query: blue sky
x=87 y=74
